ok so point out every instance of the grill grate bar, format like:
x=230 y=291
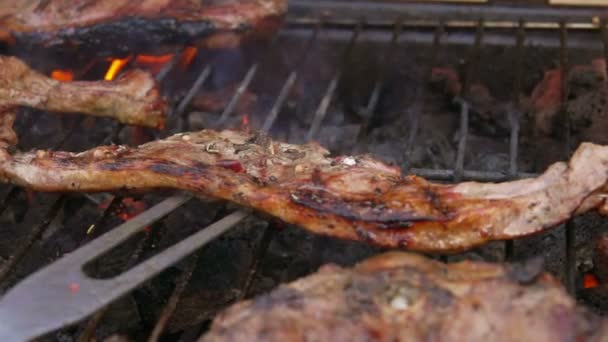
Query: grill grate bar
x=181 y=283
x=383 y=11
x=164 y=71
x=514 y=118
x=462 y=140
x=278 y=104
x=514 y=113
x=200 y=80
x=423 y=93
x=570 y=263
x=34 y=235
x=321 y=111
x=229 y=110
x=372 y=104
x=291 y=81
x=470 y=67
x=259 y=253
x=243 y=86
x=604 y=34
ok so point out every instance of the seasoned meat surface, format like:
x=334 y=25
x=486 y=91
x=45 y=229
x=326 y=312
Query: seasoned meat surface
x=354 y=197
x=406 y=297
x=122 y=25
x=133 y=98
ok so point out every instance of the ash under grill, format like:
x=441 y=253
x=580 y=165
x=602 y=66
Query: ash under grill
x=356 y=84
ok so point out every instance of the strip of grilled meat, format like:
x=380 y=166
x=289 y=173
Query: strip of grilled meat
x=406 y=297
x=355 y=198
x=133 y=98
x=111 y=26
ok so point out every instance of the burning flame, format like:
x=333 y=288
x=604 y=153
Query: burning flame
x=115 y=67
x=154 y=62
x=590 y=281
x=187 y=56
x=62 y=75
x=245 y=122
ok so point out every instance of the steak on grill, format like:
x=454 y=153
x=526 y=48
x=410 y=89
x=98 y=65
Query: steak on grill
x=111 y=26
x=406 y=297
x=133 y=98
x=356 y=198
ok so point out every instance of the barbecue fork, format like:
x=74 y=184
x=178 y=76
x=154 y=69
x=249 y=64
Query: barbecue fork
x=61 y=294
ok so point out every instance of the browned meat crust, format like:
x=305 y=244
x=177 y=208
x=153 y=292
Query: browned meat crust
x=111 y=26
x=133 y=98
x=405 y=297
x=356 y=198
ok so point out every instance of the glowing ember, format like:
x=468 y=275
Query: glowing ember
x=115 y=67
x=153 y=63
x=245 y=122
x=590 y=281
x=129 y=208
x=62 y=75
x=147 y=59
x=187 y=56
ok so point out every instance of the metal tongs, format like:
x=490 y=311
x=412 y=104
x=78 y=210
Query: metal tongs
x=61 y=293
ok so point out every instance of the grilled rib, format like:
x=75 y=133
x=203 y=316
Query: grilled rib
x=112 y=26
x=405 y=297
x=356 y=198
x=133 y=98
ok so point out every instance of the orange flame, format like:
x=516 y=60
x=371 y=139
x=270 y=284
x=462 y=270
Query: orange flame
x=590 y=281
x=147 y=59
x=187 y=56
x=245 y=122
x=62 y=75
x=115 y=67
x=153 y=62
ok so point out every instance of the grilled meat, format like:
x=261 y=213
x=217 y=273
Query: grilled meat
x=406 y=297
x=111 y=26
x=356 y=198
x=133 y=98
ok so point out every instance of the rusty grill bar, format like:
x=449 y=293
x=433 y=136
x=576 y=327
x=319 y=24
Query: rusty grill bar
x=312 y=20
